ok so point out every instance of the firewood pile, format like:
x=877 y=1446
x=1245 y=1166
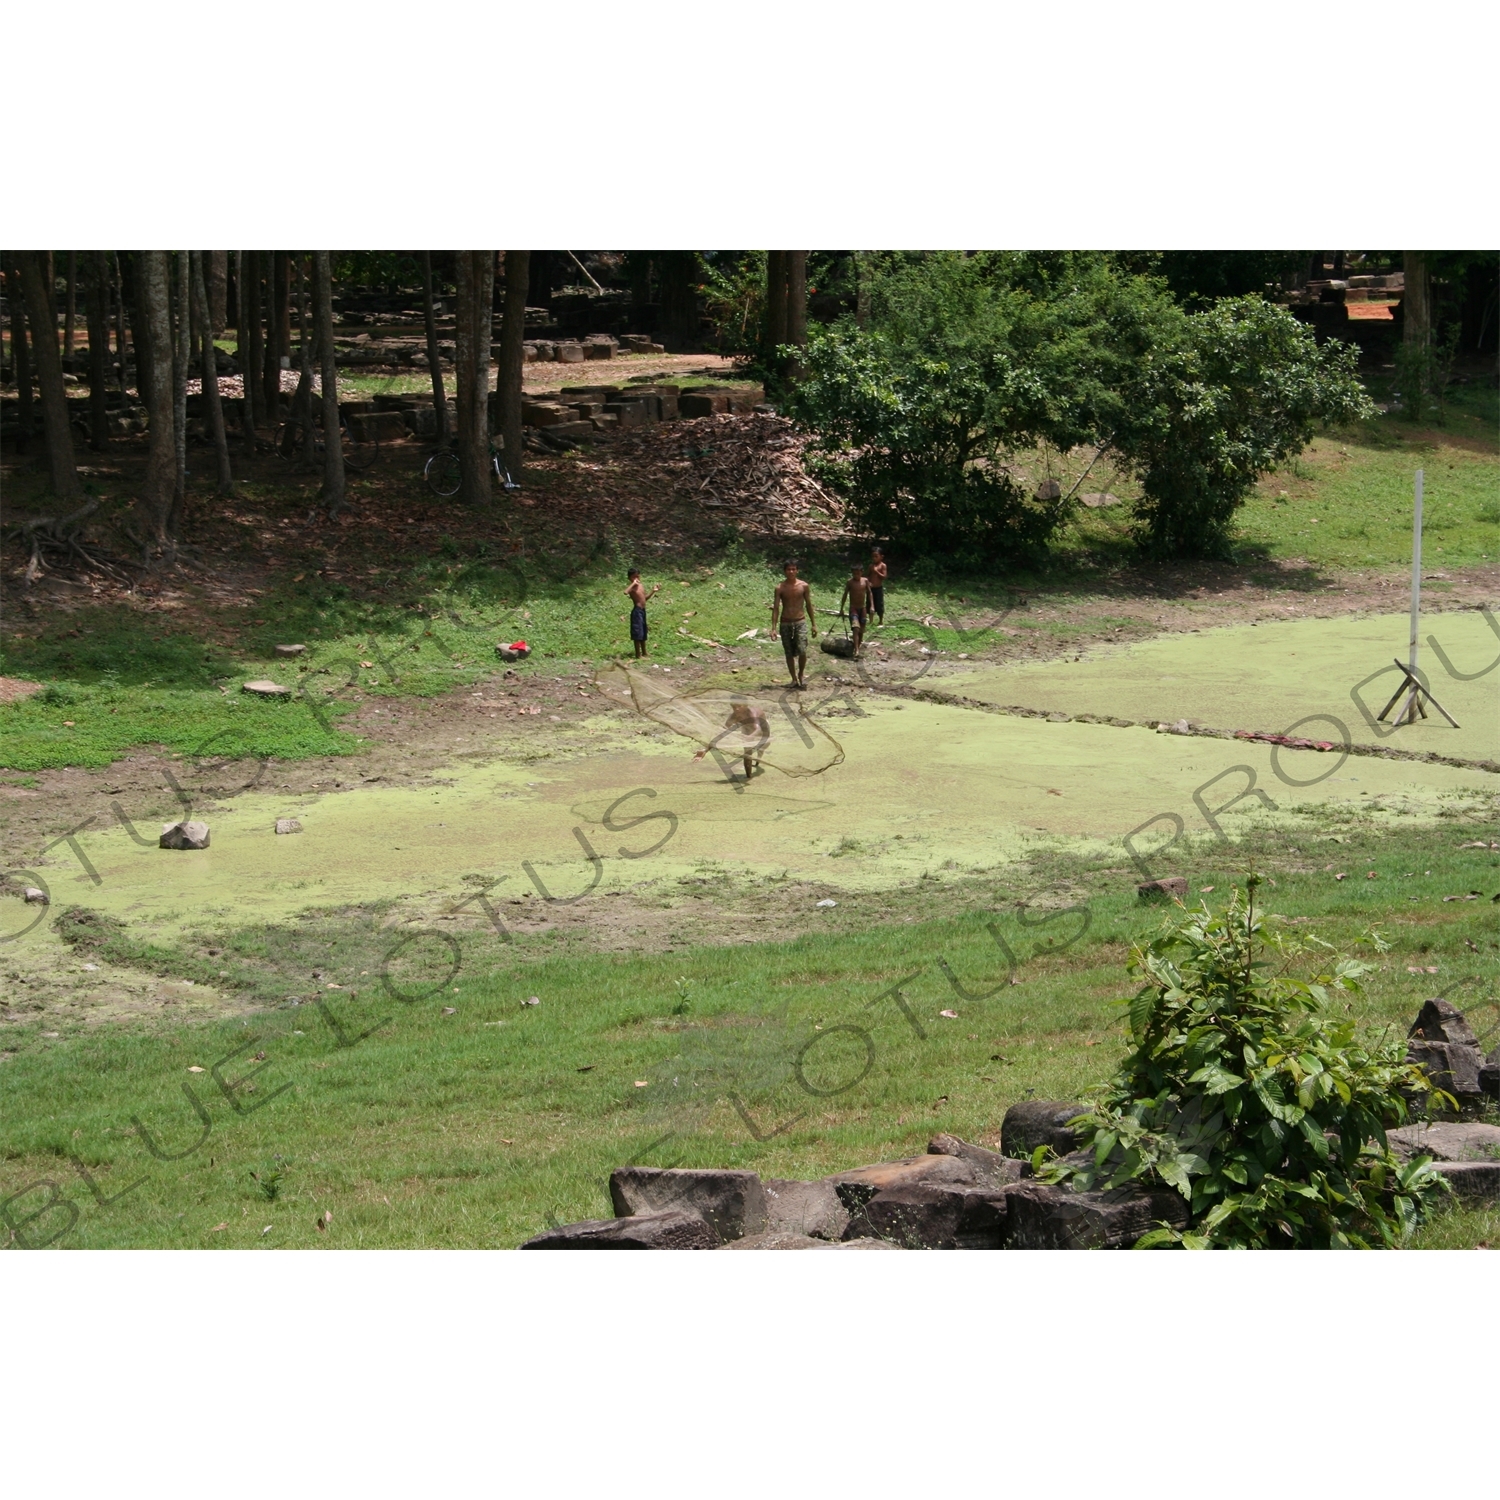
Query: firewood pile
x=748 y=467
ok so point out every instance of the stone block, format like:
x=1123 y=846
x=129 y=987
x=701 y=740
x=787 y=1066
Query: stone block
x=573 y=431
x=186 y=835
x=606 y=421
x=1164 y=889
x=544 y=414
x=264 y=688
x=734 y=1203
x=627 y=413
x=593 y=349
x=933 y=1216
x=1450 y=1066
x=702 y=403
x=1445 y=1140
x=804 y=1208
x=1442 y=1021
x=776 y=1239
x=1039 y=1122
x=296 y=650
x=992 y=1168
x=288 y=825
x=670 y=1230
x=1053 y=1217
x=857 y=1187
x=378 y=426
x=569 y=353
x=1472 y=1181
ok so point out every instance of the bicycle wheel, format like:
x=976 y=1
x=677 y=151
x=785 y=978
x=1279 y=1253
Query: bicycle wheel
x=289 y=441
x=443 y=474
x=357 y=455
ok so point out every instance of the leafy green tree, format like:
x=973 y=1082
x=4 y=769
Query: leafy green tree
x=1251 y=1096
x=963 y=362
x=1241 y=389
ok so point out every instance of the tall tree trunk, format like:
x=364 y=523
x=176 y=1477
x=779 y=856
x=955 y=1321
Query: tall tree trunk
x=145 y=369
x=439 y=401
x=70 y=314
x=255 y=348
x=182 y=358
x=120 y=354
x=638 y=270
x=512 y=358
x=278 y=329
x=679 y=299
x=20 y=356
x=862 y=287
x=1416 y=300
x=212 y=406
x=243 y=269
x=776 y=275
x=796 y=303
x=154 y=361
x=333 y=446
x=42 y=314
x=303 y=400
x=476 y=295
x=543 y=275
x=97 y=307
x=217 y=277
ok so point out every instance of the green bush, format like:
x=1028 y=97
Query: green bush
x=1241 y=390
x=966 y=362
x=1246 y=1093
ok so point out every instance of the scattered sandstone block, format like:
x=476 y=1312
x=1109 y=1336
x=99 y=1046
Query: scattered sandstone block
x=187 y=835
x=671 y=1230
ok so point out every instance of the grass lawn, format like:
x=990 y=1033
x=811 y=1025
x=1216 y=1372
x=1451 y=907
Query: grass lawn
x=1346 y=501
x=425 y=1105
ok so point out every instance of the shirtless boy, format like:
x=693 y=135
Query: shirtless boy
x=857 y=592
x=792 y=610
x=877 y=584
x=748 y=720
x=638 y=597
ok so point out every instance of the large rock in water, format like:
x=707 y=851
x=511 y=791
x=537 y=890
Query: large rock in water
x=732 y=1203
x=1443 y=1044
x=671 y=1230
x=1039 y=1122
x=1052 y=1217
x=191 y=835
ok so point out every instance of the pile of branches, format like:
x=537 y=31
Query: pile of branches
x=57 y=540
x=749 y=465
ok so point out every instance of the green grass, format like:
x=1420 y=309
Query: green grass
x=473 y=1128
x=1346 y=501
x=424 y=627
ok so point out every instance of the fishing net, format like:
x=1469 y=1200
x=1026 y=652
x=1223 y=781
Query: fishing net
x=774 y=729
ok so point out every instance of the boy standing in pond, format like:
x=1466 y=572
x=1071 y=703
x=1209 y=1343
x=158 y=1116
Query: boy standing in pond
x=792 y=612
x=638 y=597
x=859 y=593
x=877 y=585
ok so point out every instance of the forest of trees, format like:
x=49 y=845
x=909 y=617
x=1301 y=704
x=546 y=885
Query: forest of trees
x=152 y=319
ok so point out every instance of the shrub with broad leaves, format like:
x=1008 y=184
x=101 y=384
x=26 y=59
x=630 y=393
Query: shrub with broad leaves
x=1252 y=1096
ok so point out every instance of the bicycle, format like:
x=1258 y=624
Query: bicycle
x=444 y=473
x=357 y=454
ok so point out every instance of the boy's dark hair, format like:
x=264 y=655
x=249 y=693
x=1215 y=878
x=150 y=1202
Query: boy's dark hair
x=877 y=551
x=634 y=573
x=791 y=562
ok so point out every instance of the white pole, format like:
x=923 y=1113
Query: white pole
x=1416 y=572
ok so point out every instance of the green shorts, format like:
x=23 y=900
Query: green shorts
x=794 y=637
